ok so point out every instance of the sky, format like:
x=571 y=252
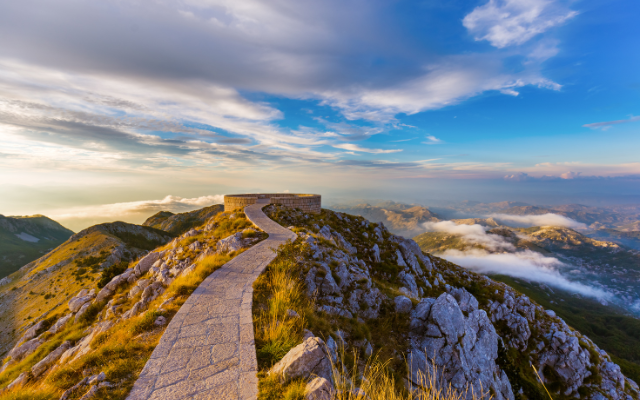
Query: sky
x=174 y=103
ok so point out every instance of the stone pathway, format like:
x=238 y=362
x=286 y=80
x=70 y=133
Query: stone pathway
x=208 y=351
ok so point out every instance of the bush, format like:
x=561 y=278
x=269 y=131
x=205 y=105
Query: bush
x=110 y=272
x=92 y=312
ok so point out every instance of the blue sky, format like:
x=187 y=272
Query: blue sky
x=116 y=102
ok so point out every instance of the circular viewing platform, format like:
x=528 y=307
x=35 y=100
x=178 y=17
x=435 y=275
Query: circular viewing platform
x=310 y=203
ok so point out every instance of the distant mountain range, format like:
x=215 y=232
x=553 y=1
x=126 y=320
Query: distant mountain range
x=24 y=239
x=402 y=219
x=602 y=264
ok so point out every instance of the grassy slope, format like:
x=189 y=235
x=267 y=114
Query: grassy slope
x=122 y=351
x=25 y=295
x=34 y=292
x=608 y=327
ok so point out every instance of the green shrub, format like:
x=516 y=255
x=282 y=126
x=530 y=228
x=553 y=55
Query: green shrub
x=91 y=313
x=110 y=272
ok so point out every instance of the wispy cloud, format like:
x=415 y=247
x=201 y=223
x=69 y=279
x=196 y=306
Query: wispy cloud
x=499 y=256
x=547 y=219
x=355 y=147
x=432 y=140
x=133 y=211
x=608 y=124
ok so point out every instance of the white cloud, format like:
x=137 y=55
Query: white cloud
x=512 y=22
x=444 y=82
x=527 y=265
x=355 y=147
x=133 y=211
x=432 y=140
x=474 y=234
x=548 y=219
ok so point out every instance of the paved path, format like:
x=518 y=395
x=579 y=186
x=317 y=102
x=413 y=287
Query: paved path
x=208 y=351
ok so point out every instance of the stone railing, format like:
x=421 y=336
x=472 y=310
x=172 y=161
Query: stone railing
x=310 y=203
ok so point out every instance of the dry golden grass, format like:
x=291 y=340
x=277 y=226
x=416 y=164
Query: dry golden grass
x=278 y=291
x=121 y=351
x=373 y=381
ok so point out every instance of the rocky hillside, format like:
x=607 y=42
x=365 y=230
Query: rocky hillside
x=42 y=288
x=84 y=336
x=402 y=219
x=368 y=291
x=178 y=224
x=24 y=239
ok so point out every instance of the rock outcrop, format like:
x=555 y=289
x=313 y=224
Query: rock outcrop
x=307 y=360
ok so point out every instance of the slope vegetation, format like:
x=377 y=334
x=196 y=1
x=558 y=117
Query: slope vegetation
x=42 y=288
x=354 y=287
x=97 y=336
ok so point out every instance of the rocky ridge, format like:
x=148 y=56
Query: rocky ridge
x=476 y=332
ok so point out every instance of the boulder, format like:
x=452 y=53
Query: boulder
x=306 y=360
x=60 y=323
x=375 y=250
x=32 y=332
x=403 y=304
x=229 y=244
x=462 y=349
x=50 y=359
x=319 y=389
x=83 y=297
x=26 y=348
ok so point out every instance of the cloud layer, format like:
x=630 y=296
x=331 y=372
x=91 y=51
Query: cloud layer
x=474 y=234
x=548 y=219
x=498 y=256
x=526 y=265
x=134 y=211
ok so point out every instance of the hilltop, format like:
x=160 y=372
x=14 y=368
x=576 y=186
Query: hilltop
x=177 y=224
x=41 y=288
x=25 y=238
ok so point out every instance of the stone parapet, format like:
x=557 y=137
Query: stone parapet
x=310 y=203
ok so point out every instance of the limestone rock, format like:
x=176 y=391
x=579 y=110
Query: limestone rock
x=306 y=360
x=229 y=244
x=50 y=359
x=81 y=311
x=319 y=389
x=26 y=348
x=32 y=332
x=146 y=262
x=403 y=304
x=60 y=323
x=19 y=381
x=375 y=250
x=463 y=349
x=84 y=296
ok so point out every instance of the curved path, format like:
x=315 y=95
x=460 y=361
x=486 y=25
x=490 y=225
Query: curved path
x=208 y=351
